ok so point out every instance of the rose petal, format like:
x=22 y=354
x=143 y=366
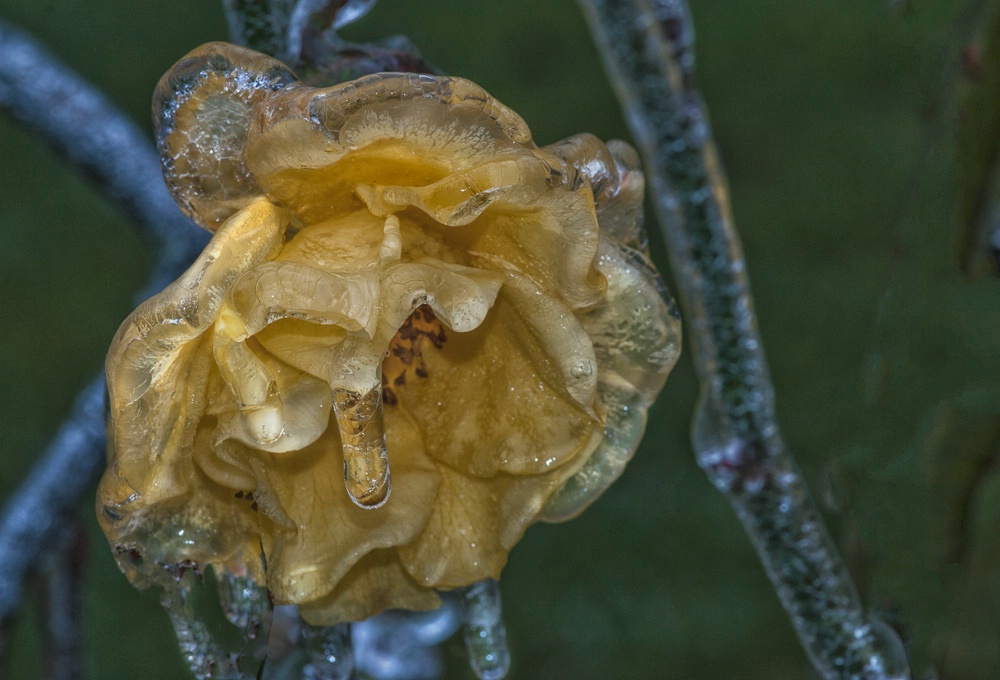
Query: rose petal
x=330 y=533
x=156 y=380
x=510 y=395
x=438 y=121
x=475 y=523
x=201 y=115
x=376 y=583
x=529 y=213
x=637 y=341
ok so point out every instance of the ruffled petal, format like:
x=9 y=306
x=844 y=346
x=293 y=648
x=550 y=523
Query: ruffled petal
x=157 y=368
x=376 y=583
x=475 y=523
x=447 y=123
x=202 y=110
x=517 y=394
x=328 y=533
x=637 y=340
x=529 y=213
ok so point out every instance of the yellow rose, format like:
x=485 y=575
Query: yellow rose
x=413 y=334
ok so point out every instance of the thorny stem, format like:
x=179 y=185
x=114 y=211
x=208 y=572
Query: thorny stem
x=646 y=46
x=94 y=135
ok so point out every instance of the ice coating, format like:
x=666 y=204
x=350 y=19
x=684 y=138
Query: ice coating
x=362 y=436
x=410 y=338
x=483 y=630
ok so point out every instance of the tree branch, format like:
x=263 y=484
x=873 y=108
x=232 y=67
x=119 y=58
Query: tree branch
x=91 y=133
x=646 y=46
x=82 y=125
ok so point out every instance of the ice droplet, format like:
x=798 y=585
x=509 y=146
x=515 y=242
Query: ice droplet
x=198 y=647
x=246 y=605
x=582 y=367
x=483 y=630
x=362 y=435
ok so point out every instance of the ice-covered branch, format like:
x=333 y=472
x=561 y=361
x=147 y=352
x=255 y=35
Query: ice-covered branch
x=82 y=125
x=63 y=600
x=43 y=502
x=646 y=46
x=93 y=134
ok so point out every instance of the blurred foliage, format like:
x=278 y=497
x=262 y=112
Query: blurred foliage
x=978 y=151
x=838 y=123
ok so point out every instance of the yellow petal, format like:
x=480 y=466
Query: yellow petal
x=202 y=110
x=376 y=583
x=530 y=213
x=517 y=394
x=330 y=534
x=637 y=340
x=448 y=123
x=157 y=379
x=200 y=524
x=475 y=523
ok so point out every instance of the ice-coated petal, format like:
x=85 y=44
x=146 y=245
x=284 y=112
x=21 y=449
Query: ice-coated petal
x=476 y=522
x=202 y=110
x=156 y=367
x=530 y=214
x=459 y=296
x=154 y=533
x=637 y=339
x=593 y=160
x=621 y=217
x=448 y=123
x=376 y=583
x=329 y=533
x=515 y=395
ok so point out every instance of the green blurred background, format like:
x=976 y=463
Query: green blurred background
x=838 y=124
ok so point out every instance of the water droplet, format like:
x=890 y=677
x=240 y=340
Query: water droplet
x=362 y=435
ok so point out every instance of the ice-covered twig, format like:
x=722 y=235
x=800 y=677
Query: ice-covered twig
x=289 y=29
x=93 y=134
x=40 y=506
x=646 y=46
x=483 y=630
x=63 y=595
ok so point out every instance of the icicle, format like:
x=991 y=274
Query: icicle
x=246 y=606
x=330 y=654
x=362 y=434
x=482 y=628
x=198 y=647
